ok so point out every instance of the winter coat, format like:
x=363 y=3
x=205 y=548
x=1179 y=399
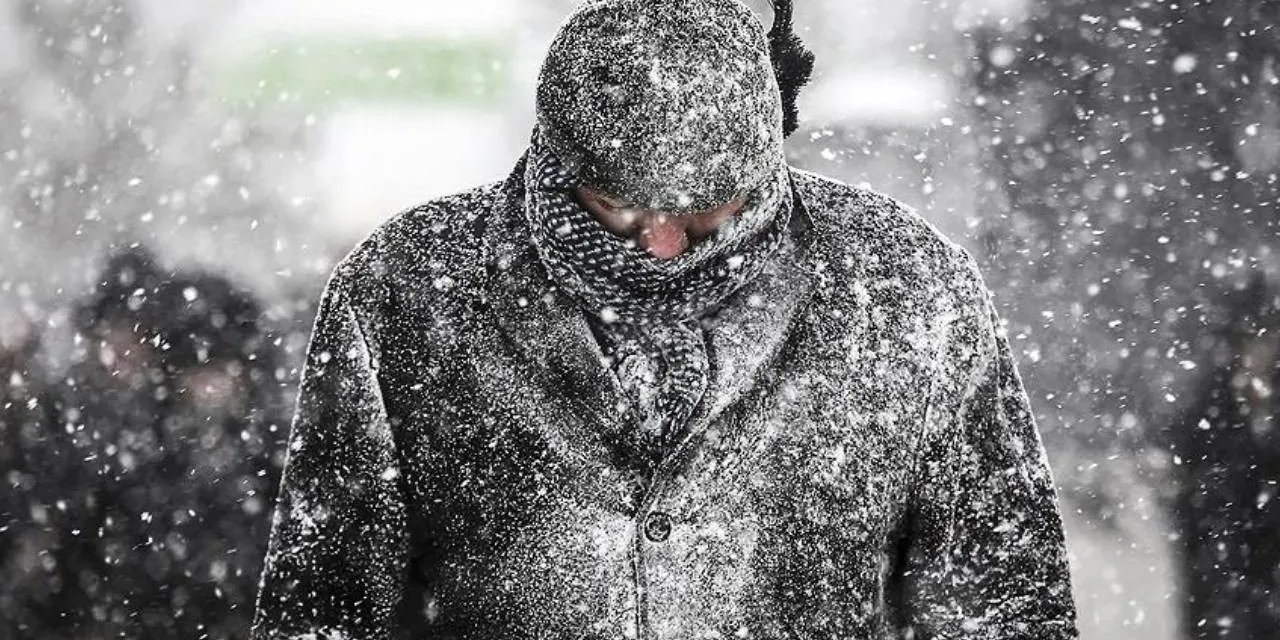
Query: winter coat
x=864 y=464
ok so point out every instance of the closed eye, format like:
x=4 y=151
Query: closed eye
x=616 y=215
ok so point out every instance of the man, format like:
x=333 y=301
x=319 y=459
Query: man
x=658 y=384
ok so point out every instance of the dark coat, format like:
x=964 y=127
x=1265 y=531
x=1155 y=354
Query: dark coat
x=138 y=505
x=863 y=465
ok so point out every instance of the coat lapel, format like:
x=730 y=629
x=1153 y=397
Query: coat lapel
x=543 y=323
x=748 y=333
x=551 y=332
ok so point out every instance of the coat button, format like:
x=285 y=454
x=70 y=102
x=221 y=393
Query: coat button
x=657 y=527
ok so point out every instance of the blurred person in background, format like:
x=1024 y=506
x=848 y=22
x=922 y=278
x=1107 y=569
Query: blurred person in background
x=164 y=431
x=1227 y=450
x=110 y=400
x=31 y=507
x=223 y=431
x=659 y=384
x=108 y=387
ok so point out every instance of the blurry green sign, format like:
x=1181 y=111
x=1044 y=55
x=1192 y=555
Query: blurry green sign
x=414 y=70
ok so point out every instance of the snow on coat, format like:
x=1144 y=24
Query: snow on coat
x=864 y=463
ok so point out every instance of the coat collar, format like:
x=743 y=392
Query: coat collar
x=552 y=333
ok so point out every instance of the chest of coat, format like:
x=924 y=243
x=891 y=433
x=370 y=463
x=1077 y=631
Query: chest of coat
x=523 y=500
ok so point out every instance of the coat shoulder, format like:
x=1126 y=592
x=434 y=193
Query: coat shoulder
x=890 y=280
x=867 y=241
x=443 y=233
x=429 y=254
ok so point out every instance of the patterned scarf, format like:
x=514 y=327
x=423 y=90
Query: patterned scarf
x=646 y=310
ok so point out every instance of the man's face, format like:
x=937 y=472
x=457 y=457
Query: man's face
x=663 y=235
x=214 y=388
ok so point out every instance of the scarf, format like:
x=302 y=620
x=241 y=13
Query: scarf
x=645 y=311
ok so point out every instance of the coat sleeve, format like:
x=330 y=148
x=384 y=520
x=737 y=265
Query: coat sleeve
x=985 y=555
x=336 y=559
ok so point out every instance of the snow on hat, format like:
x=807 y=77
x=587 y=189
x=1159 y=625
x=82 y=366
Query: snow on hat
x=672 y=105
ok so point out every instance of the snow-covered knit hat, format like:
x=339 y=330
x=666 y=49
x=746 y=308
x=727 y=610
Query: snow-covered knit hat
x=672 y=105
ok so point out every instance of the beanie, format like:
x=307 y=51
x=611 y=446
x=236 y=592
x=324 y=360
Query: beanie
x=671 y=105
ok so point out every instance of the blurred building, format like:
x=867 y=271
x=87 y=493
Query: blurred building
x=411 y=100
x=415 y=100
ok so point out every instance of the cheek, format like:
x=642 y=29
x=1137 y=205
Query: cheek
x=701 y=226
x=619 y=222
x=708 y=224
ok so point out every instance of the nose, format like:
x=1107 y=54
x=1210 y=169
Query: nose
x=663 y=237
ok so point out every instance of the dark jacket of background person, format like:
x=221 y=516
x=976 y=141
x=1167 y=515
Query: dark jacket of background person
x=163 y=436
x=864 y=462
x=30 y=459
x=1228 y=477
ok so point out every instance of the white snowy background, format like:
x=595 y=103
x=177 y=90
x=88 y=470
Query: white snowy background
x=260 y=140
